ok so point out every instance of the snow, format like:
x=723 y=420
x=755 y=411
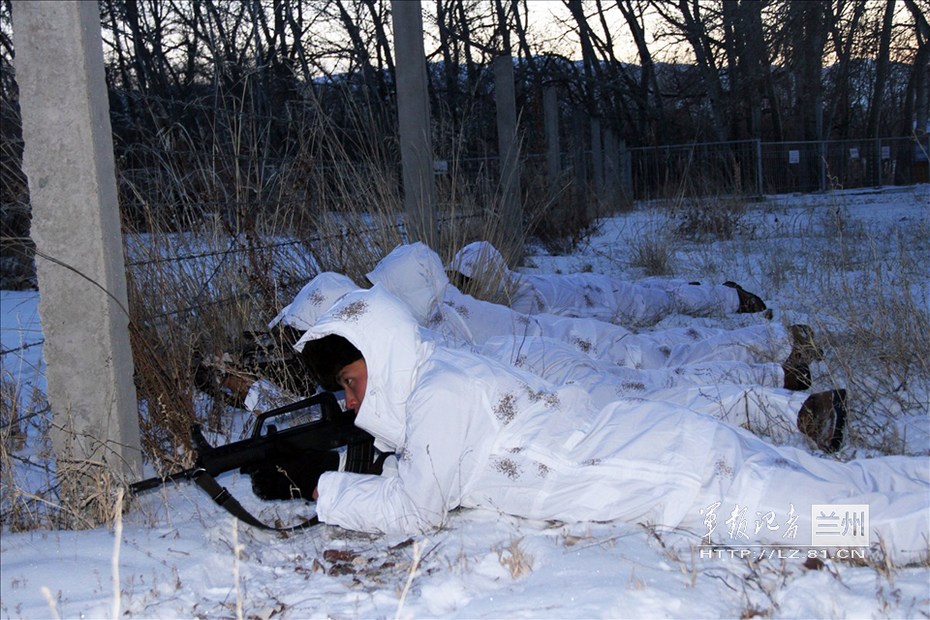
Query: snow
x=176 y=554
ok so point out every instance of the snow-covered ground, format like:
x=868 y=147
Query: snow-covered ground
x=176 y=554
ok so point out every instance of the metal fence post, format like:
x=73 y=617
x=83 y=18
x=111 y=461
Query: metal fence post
x=759 y=188
x=822 y=147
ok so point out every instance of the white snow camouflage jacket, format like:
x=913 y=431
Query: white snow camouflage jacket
x=594 y=295
x=471 y=432
x=414 y=273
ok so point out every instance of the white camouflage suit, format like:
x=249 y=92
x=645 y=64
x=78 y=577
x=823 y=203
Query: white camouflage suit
x=414 y=273
x=472 y=432
x=720 y=388
x=711 y=372
x=725 y=390
x=595 y=295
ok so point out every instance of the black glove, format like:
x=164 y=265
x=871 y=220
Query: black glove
x=291 y=476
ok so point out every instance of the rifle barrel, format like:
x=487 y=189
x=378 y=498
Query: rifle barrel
x=157 y=481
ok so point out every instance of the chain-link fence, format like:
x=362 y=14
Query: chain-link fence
x=753 y=167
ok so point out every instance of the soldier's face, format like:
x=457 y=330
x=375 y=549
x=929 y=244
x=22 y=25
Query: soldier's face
x=353 y=378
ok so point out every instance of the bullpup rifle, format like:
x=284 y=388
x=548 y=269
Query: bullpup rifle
x=289 y=448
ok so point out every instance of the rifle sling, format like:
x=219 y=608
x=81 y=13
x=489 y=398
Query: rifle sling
x=225 y=499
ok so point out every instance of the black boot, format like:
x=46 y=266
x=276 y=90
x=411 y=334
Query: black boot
x=797 y=376
x=803 y=351
x=802 y=343
x=748 y=303
x=823 y=419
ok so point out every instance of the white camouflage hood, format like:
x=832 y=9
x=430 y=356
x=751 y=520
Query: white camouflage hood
x=315 y=298
x=415 y=275
x=381 y=327
x=482 y=260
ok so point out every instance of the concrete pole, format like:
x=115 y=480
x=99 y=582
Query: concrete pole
x=626 y=170
x=508 y=147
x=553 y=147
x=416 y=146
x=68 y=159
x=611 y=194
x=580 y=165
x=597 y=166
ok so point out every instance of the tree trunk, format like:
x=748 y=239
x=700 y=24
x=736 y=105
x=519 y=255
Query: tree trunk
x=873 y=128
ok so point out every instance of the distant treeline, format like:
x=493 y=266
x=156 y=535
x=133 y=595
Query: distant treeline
x=739 y=69
x=253 y=78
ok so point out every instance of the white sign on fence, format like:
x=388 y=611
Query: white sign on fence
x=794 y=157
x=854 y=153
x=886 y=152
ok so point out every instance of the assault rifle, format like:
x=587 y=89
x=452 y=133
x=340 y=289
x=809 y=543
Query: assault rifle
x=288 y=450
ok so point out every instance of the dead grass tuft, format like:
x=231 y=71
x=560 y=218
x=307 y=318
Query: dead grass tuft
x=654 y=253
x=515 y=559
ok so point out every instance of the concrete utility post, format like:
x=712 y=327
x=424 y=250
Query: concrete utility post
x=508 y=147
x=580 y=165
x=553 y=146
x=68 y=160
x=416 y=145
x=597 y=166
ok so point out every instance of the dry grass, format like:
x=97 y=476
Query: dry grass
x=24 y=423
x=708 y=218
x=515 y=559
x=865 y=291
x=71 y=494
x=653 y=252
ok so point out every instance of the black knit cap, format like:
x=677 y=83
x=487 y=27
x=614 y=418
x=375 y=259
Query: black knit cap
x=326 y=356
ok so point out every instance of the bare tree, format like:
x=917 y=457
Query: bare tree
x=918 y=100
x=748 y=69
x=652 y=123
x=843 y=35
x=695 y=22
x=804 y=35
x=451 y=60
x=377 y=10
x=593 y=77
x=462 y=90
x=881 y=71
x=359 y=49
